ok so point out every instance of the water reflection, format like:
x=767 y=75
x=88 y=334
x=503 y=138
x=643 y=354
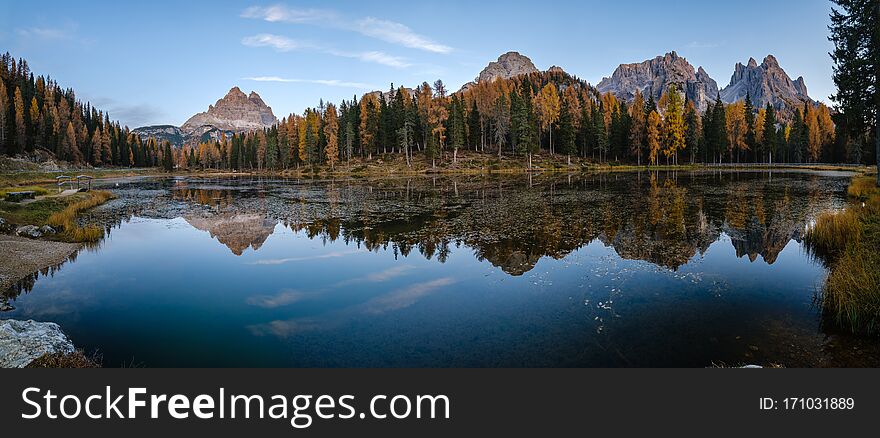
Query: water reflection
x=537 y=270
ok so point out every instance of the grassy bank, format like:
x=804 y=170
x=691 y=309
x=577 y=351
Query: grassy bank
x=65 y=220
x=60 y=212
x=849 y=243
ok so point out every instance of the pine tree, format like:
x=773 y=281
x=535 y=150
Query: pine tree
x=694 y=134
x=749 y=110
x=475 y=133
x=566 y=143
x=768 y=132
x=855 y=32
x=719 y=121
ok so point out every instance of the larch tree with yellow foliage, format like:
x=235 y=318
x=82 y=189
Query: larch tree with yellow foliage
x=736 y=129
x=654 y=131
x=548 y=109
x=637 y=127
x=331 y=133
x=673 y=124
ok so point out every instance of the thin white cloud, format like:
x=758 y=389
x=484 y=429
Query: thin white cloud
x=285 y=44
x=396 y=33
x=327 y=82
x=277 y=42
x=46 y=33
x=278 y=13
x=384 y=30
x=375 y=57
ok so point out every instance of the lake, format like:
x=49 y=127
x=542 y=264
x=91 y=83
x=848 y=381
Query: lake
x=632 y=269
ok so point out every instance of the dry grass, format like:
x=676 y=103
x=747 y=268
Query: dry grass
x=66 y=219
x=834 y=232
x=849 y=243
x=77 y=359
x=862 y=187
x=852 y=291
x=39 y=190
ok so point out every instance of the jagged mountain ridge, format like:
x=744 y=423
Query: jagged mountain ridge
x=654 y=76
x=765 y=83
x=236 y=112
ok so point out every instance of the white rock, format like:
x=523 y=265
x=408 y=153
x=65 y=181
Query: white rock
x=21 y=342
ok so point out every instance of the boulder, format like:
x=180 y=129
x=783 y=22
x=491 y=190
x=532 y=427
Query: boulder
x=31 y=231
x=21 y=342
x=45 y=229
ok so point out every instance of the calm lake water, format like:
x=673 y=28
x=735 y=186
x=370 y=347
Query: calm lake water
x=625 y=269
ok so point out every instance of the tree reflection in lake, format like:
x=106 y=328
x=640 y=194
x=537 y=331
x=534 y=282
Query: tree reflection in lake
x=613 y=269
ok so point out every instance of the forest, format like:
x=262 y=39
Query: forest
x=545 y=112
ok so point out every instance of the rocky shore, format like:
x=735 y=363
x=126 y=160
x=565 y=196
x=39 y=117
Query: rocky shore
x=22 y=256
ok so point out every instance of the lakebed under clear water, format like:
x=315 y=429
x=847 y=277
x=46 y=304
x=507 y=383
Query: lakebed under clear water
x=590 y=270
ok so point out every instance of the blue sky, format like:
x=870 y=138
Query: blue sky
x=160 y=62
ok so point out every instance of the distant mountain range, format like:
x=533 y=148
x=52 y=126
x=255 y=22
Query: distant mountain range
x=765 y=83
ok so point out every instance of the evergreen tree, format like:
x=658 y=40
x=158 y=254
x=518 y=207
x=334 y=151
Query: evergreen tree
x=475 y=133
x=566 y=141
x=694 y=134
x=855 y=32
x=769 y=132
x=750 y=126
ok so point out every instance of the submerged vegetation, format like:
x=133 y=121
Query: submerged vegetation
x=848 y=242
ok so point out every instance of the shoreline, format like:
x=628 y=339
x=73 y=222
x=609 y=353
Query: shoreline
x=23 y=257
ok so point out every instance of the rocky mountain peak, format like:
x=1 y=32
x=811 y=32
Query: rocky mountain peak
x=236 y=112
x=234 y=93
x=654 y=76
x=770 y=61
x=765 y=83
x=508 y=65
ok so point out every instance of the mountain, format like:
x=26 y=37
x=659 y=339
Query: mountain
x=234 y=112
x=654 y=76
x=161 y=133
x=508 y=65
x=766 y=83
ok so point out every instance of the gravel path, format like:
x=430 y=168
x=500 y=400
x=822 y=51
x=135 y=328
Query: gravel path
x=20 y=257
